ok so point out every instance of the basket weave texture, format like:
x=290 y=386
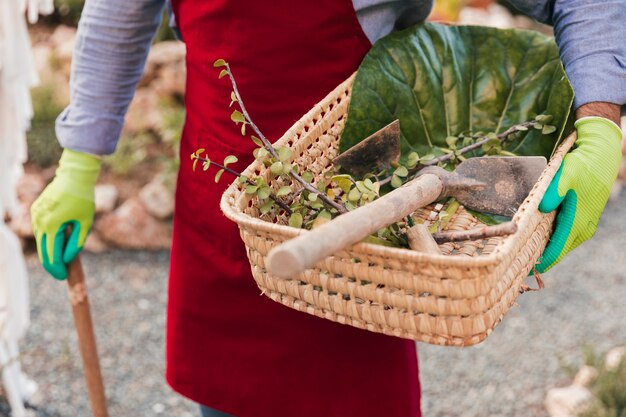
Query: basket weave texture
x=456 y=298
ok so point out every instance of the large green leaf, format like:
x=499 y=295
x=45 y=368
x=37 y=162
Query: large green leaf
x=449 y=80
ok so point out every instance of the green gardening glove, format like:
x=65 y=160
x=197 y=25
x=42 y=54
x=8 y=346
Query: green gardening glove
x=581 y=187
x=67 y=201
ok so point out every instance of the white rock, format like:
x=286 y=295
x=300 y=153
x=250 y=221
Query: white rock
x=157 y=199
x=63 y=40
x=614 y=357
x=164 y=53
x=94 y=243
x=29 y=186
x=171 y=80
x=585 y=376
x=567 y=401
x=21 y=224
x=144 y=113
x=130 y=226
x=62 y=34
x=106 y=198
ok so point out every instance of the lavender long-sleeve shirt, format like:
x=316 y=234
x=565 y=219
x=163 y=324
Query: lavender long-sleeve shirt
x=114 y=37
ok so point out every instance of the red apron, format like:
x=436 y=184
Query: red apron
x=228 y=347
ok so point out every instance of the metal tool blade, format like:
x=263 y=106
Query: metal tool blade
x=373 y=154
x=500 y=184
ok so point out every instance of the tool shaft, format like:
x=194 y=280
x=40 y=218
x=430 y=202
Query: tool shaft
x=86 y=338
x=302 y=252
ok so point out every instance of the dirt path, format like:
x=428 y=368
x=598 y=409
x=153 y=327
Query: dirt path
x=507 y=375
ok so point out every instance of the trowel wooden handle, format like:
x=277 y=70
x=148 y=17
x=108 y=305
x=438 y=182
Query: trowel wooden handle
x=302 y=252
x=86 y=338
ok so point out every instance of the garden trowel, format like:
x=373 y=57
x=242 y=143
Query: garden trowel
x=495 y=185
x=374 y=153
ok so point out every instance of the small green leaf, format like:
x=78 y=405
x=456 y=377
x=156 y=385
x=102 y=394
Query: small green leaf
x=321 y=219
x=266 y=207
x=451 y=141
x=230 y=159
x=412 y=160
x=287 y=168
x=312 y=197
x=325 y=214
x=369 y=184
x=195 y=162
x=428 y=157
x=264 y=192
x=199 y=151
x=285 y=190
x=251 y=189
x=295 y=220
x=544 y=118
x=206 y=165
x=219 y=63
x=260 y=153
x=223 y=73
x=243 y=179
x=307 y=176
x=218 y=175
x=243 y=129
x=193 y=156
x=547 y=129
x=284 y=153
x=354 y=195
x=257 y=141
x=521 y=128
x=361 y=187
x=276 y=168
x=237 y=117
x=233 y=98
x=401 y=171
x=396 y=181
x=538 y=126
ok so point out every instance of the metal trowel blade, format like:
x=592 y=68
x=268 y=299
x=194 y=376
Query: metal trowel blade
x=373 y=154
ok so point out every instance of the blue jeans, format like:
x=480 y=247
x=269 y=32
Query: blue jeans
x=211 y=412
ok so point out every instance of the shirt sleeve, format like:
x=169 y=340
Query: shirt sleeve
x=112 y=43
x=592 y=42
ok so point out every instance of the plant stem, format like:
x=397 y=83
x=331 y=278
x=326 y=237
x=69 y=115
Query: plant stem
x=307 y=186
x=476 y=145
x=277 y=200
x=485 y=232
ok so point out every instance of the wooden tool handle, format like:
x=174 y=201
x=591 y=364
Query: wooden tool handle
x=302 y=252
x=86 y=338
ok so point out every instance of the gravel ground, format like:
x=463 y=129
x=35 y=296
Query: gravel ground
x=507 y=375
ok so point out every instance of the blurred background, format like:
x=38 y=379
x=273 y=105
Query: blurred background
x=526 y=368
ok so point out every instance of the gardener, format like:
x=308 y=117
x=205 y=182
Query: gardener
x=227 y=347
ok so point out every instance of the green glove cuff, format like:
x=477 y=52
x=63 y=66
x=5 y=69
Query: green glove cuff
x=581 y=187
x=68 y=200
x=79 y=172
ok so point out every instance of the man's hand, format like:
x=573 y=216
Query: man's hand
x=582 y=185
x=67 y=201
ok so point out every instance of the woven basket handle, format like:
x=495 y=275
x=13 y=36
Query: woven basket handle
x=304 y=251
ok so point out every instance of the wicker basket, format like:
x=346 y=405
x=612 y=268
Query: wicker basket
x=456 y=298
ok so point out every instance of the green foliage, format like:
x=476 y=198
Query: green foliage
x=164 y=33
x=157 y=150
x=43 y=147
x=609 y=389
x=68 y=11
x=446 y=81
